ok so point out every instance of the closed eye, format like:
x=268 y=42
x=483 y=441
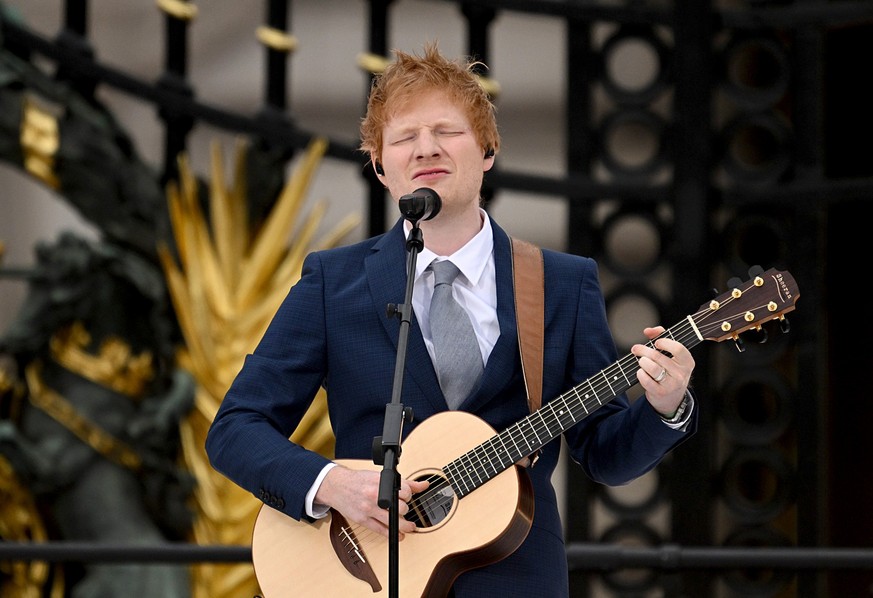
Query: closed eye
x=402 y=140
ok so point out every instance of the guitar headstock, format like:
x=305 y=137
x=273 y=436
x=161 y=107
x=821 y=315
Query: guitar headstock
x=767 y=295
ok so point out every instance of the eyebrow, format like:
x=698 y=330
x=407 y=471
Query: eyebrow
x=412 y=128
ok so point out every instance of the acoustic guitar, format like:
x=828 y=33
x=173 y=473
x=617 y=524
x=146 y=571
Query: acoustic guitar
x=479 y=506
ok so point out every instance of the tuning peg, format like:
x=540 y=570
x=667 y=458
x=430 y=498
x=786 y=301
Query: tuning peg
x=759 y=335
x=784 y=324
x=734 y=283
x=755 y=271
x=741 y=346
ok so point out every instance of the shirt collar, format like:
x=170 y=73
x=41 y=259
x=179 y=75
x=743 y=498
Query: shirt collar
x=470 y=259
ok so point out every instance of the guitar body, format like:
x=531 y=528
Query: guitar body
x=298 y=559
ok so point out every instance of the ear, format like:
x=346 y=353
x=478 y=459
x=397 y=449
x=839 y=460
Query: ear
x=489 y=159
x=377 y=165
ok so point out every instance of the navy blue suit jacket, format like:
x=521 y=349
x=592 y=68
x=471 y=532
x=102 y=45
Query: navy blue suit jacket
x=333 y=330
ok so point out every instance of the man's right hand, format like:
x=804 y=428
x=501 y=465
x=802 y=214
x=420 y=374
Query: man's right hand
x=355 y=494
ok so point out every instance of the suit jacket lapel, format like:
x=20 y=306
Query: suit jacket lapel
x=505 y=351
x=386 y=273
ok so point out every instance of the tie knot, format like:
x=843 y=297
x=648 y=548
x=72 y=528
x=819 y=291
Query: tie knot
x=444 y=272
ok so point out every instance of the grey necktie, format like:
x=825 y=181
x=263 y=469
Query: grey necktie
x=456 y=350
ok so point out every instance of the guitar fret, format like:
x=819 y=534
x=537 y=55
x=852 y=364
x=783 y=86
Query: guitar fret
x=539 y=414
x=589 y=399
x=488 y=459
x=505 y=457
x=576 y=396
x=487 y=462
x=466 y=482
x=568 y=413
x=473 y=467
x=534 y=432
x=584 y=407
x=505 y=452
x=514 y=443
x=449 y=470
x=626 y=379
x=543 y=413
x=468 y=469
x=591 y=386
x=460 y=478
x=550 y=409
x=612 y=390
x=525 y=437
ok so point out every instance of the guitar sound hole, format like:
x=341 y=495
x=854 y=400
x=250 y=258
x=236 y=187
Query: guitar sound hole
x=431 y=507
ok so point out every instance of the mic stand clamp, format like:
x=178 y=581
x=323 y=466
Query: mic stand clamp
x=386 y=448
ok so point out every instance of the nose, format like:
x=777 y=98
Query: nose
x=427 y=144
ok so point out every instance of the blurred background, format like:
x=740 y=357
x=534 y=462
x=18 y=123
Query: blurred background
x=679 y=143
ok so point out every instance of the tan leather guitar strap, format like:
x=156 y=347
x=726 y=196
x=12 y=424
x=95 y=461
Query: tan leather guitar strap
x=527 y=275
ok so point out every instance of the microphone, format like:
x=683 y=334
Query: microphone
x=421 y=204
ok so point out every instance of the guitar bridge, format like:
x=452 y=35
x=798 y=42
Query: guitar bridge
x=350 y=552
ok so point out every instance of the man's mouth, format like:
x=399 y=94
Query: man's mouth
x=429 y=173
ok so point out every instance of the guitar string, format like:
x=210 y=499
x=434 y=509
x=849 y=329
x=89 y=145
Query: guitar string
x=688 y=335
x=482 y=450
x=684 y=333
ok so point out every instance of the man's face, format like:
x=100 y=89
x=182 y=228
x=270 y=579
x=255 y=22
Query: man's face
x=429 y=143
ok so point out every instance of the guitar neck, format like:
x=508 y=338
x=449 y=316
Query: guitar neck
x=526 y=437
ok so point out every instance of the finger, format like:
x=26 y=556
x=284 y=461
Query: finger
x=653 y=332
x=406 y=527
x=647 y=381
x=672 y=349
x=378 y=526
x=651 y=363
x=663 y=348
x=680 y=364
x=419 y=485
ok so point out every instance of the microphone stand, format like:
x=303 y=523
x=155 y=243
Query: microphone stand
x=386 y=448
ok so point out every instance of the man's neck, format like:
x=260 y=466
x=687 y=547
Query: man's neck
x=446 y=233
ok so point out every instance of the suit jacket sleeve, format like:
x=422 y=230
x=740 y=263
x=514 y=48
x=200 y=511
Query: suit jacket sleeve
x=248 y=441
x=623 y=440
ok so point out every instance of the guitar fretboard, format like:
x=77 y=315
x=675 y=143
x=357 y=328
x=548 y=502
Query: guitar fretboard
x=526 y=437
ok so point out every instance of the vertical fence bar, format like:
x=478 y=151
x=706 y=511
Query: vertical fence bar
x=278 y=49
x=73 y=38
x=810 y=223
x=579 y=138
x=580 y=152
x=378 y=46
x=177 y=126
x=479 y=20
x=691 y=259
x=266 y=160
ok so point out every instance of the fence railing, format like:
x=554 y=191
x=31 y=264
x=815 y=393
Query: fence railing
x=580 y=556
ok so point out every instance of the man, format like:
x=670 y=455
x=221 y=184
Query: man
x=430 y=124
